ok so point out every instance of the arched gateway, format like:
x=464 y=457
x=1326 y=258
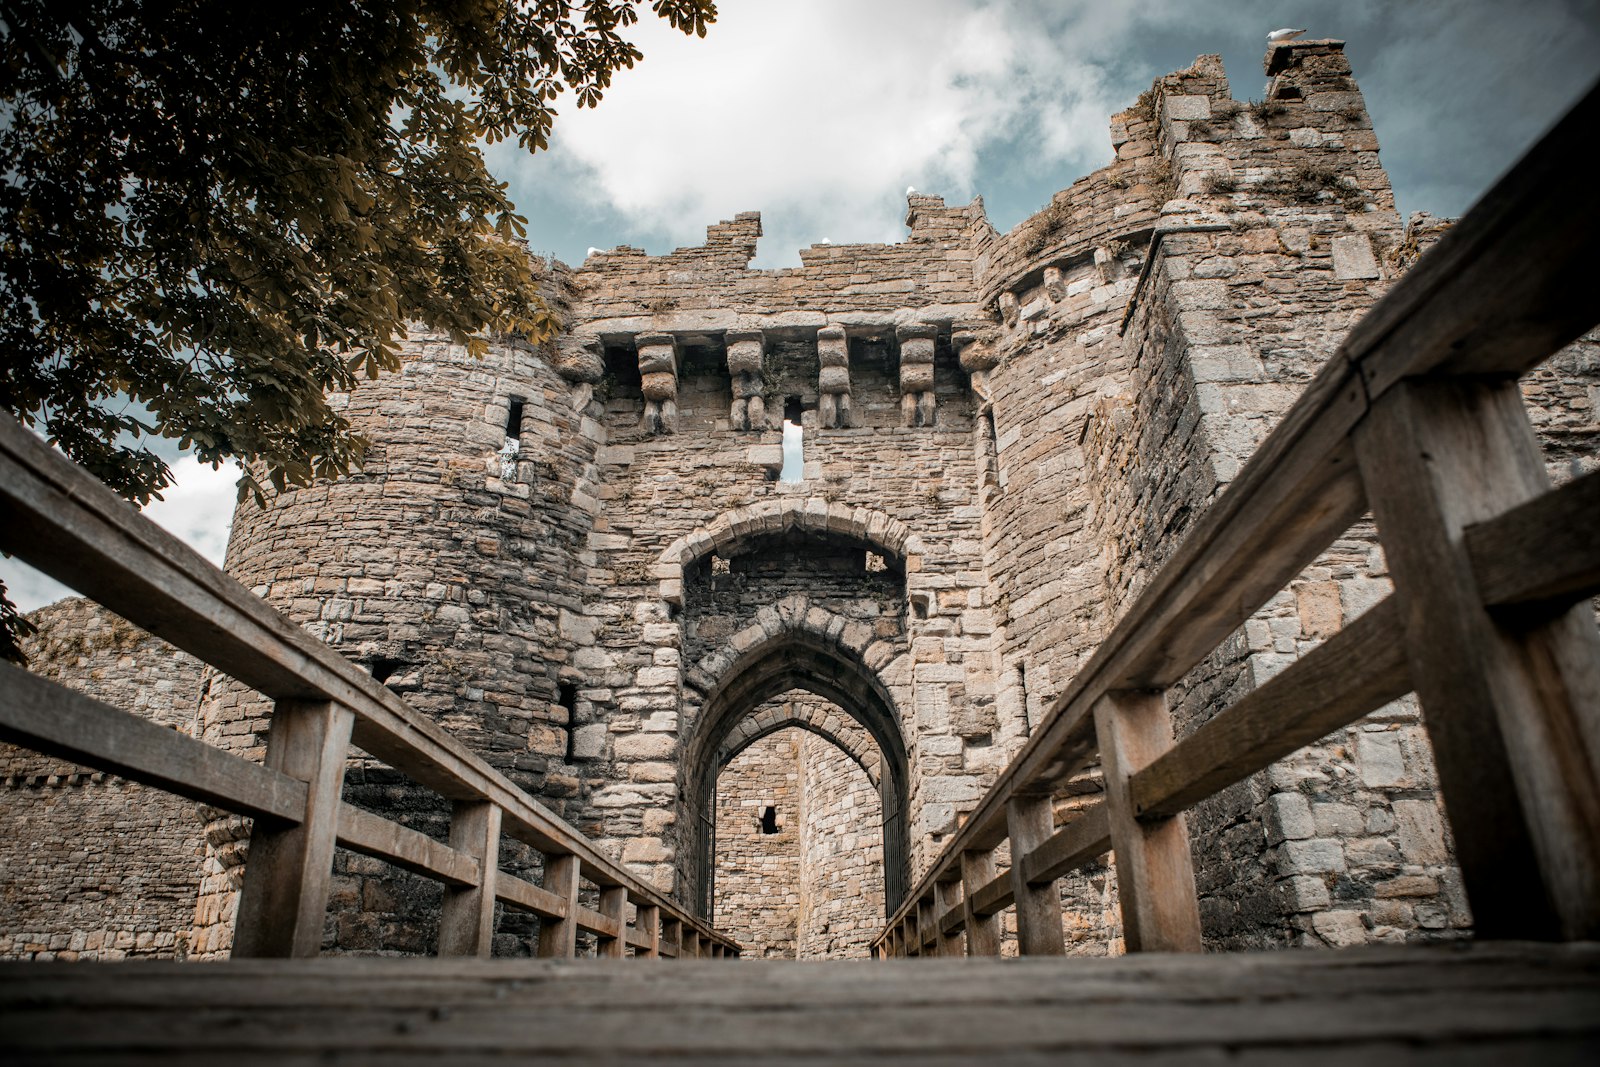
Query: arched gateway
x=796 y=646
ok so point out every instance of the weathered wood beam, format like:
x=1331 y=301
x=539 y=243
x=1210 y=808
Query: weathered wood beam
x=47 y=717
x=1513 y=711
x=286 y=879
x=466 y=922
x=1087 y=837
x=1357 y=670
x=1543 y=555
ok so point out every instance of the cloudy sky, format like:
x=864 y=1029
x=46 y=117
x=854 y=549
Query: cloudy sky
x=819 y=114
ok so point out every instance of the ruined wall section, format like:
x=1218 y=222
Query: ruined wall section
x=449 y=568
x=93 y=866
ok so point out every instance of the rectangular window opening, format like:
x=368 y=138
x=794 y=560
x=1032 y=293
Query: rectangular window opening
x=514 y=419
x=567 y=697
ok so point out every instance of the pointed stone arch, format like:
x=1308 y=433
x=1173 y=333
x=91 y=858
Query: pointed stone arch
x=733 y=529
x=795 y=644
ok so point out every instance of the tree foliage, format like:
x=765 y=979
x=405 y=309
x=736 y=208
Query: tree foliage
x=214 y=213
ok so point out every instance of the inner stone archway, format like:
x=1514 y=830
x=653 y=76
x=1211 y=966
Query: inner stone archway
x=798 y=834
x=844 y=703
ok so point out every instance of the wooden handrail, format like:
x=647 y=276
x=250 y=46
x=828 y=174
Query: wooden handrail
x=62 y=521
x=1501 y=292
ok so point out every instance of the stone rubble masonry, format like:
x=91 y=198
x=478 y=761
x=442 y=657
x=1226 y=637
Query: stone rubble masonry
x=1005 y=435
x=92 y=866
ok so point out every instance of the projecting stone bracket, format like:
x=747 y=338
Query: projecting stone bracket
x=746 y=350
x=917 y=403
x=658 y=380
x=833 y=379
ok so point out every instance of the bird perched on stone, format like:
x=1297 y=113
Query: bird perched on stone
x=1280 y=36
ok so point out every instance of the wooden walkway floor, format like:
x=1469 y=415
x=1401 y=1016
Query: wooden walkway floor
x=1487 y=1004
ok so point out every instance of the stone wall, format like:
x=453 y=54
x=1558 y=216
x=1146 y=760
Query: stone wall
x=841 y=855
x=758 y=857
x=93 y=866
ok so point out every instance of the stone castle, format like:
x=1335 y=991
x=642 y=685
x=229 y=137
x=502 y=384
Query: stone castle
x=776 y=693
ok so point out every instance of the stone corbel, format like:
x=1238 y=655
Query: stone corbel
x=833 y=380
x=579 y=358
x=974 y=344
x=746 y=349
x=916 y=373
x=1009 y=308
x=1055 y=284
x=658 y=379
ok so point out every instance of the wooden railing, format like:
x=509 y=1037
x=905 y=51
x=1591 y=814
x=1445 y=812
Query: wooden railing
x=1419 y=420
x=61 y=520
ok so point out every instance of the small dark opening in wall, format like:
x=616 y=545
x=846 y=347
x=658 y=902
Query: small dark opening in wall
x=792 y=409
x=383 y=668
x=1022 y=697
x=769 y=820
x=567 y=697
x=514 y=418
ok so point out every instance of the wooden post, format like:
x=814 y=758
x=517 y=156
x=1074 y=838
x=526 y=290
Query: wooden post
x=284 y=900
x=648 y=921
x=558 y=938
x=614 y=905
x=947 y=899
x=927 y=929
x=908 y=934
x=1030 y=820
x=691 y=943
x=1155 y=874
x=983 y=931
x=1512 y=706
x=672 y=935
x=466 y=924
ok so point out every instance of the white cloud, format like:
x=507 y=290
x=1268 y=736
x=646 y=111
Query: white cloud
x=818 y=113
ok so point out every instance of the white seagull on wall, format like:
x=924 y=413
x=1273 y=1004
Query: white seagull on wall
x=1280 y=36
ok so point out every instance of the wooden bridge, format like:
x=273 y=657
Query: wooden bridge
x=1417 y=419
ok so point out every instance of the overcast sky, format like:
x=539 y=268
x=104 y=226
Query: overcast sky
x=819 y=114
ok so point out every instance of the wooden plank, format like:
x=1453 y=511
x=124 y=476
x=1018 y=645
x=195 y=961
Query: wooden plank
x=466 y=921
x=520 y=893
x=1405 y=1005
x=1357 y=670
x=1155 y=873
x=1514 y=713
x=604 y=925
x=1087 y=837
x=1508 y=285
x=373 y=835
x=1542 y=555
x=994 y=896
x=982 y=928
x=289 y=870
x=614 y=906
x=1031 y=822
x=690 y=948
x=43 y=716
x=558 y=935
x=671 y=936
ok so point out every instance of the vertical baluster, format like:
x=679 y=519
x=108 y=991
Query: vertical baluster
x=672 y=936
x=983 y=931
x=558 y=938
x=614 y=905
x=284 y=901
x=948 y=898
x=1155 y=874
x=648 y=921
x=1030 y=821
x=466 y=924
